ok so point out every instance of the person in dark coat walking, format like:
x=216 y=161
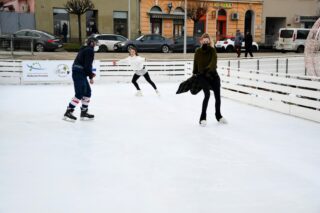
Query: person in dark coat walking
x=205 y=70
x=248 y=44
x=65 y=32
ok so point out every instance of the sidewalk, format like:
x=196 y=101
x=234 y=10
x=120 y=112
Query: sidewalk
x=116 y=56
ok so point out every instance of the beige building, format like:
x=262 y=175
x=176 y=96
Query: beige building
x=223 y=18
x=287 y=13
x=108 y=16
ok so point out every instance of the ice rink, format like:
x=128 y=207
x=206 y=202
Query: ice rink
x=149 y=155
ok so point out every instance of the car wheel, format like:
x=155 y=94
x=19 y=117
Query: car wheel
x=229 y=49
x=300 y=49
x=39 y=47
x=165 y=49
x=130 y=46
x=103 y=48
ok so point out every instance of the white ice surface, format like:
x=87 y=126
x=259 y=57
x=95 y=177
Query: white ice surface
x=149 y=155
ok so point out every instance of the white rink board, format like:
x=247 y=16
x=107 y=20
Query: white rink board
x=50 y=71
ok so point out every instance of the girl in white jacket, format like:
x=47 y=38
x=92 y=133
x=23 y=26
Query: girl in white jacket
x=136 y=63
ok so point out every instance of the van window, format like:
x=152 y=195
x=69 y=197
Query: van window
x=302 y=34
x=286 y=33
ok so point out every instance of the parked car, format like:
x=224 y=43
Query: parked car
x=106 y=41
x=227 y=44
x=148 y=43
x=192 y=44
x=292 y=39
x=42 y=41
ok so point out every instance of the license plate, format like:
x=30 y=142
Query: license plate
x=60 y=45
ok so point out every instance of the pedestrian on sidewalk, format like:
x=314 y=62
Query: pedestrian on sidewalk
x=248 y=44
x=238 y=42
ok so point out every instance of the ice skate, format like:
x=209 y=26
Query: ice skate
x=203 y=123
x=68 y=115
x=203 y=120
x=85 y=116
x=139 y=93
x=222 y=120
x=157 y=92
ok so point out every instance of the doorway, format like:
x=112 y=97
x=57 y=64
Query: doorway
x=221 y=30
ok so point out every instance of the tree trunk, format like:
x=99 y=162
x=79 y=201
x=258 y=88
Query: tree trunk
x=79 y=28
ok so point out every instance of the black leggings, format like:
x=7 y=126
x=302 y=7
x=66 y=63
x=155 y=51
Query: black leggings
x=207 y=84
x=146 y=76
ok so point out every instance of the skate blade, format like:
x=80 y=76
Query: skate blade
x=86 y=119
x=203 y=123
x=68 y=119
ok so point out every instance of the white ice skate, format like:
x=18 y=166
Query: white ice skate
x=158 y=93
x=139 y=93
x=223 y=120
x=203 y=123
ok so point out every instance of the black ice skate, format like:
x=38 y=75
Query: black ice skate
x=68 y=116
x=85 y=115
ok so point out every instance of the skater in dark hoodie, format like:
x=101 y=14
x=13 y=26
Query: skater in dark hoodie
x=81 y=70
x=205 y=70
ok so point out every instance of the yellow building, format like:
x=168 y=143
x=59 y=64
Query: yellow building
x=108 y=16
x=222 y=19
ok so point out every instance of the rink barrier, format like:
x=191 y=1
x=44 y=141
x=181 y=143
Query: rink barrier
x=293 y=65
x=168 y=70
x=290 y=94
x=10 y=72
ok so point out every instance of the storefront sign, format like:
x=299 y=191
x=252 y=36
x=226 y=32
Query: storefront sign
x=53 y=71
x=223 y=4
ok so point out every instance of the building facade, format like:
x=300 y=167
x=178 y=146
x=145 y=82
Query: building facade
x=108 y=16
x=287 y=13
x=223 y=18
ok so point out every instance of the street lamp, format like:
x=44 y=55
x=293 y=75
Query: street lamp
x=129 y=19
x=185 y=28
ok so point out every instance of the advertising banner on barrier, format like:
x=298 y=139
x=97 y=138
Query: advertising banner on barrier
x=53 y=71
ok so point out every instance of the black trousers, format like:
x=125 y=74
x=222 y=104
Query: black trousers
x=248 y=50
x=146 y=76
x=207 y=83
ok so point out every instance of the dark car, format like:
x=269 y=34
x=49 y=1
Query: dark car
x=147 y=43
x=192 y=44
x=42 y=41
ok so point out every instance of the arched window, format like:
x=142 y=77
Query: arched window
x=155 y=9
x=178 y=10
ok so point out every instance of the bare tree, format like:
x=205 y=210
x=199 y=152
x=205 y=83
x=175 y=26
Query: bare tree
x=79 y=7
x=196 y=9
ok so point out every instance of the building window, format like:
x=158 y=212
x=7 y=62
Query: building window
x=92 y=22
x=178 y=27
x=120 y=23
x=61 y=23
x=156 y=23
x=178 y=24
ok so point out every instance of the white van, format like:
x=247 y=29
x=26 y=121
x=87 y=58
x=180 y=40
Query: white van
x=292 y=39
